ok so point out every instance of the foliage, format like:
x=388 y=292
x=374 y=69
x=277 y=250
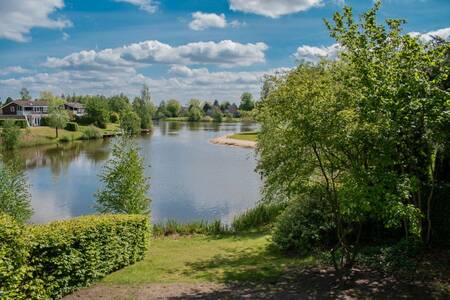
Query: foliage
x=50 y=261
x=217 y=115
x=91 y=133
x=304 y=225
x=247 y=102
x=10 y=135
x=25 y=94
x=15 y=198
x=195 y=114
x=71 y=126
x=97 y=111
x=260 y=216
x=172 y=227
x=144 y=108
x=173 y=107
x=118 y=103
x=114 y=117
x=125 y=184
x=363 y=130
x=58 y=116
x=130 y=122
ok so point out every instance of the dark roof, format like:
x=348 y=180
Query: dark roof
x=74 y=105
x=30 y=102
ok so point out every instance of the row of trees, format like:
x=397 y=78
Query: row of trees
x=363 y=140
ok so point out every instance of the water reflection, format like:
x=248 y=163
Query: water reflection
x=191 y=179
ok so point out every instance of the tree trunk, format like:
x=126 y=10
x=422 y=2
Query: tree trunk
x=56 y=132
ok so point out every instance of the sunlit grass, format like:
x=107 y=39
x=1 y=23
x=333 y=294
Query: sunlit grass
x=245 y=136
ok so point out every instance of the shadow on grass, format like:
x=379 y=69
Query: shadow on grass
x=263 y=273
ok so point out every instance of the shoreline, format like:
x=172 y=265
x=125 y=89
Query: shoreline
x=227 y=141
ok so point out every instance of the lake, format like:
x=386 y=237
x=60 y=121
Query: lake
x=191 y=179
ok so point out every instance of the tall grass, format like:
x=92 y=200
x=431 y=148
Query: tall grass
x=260 y=216
x=172 y=227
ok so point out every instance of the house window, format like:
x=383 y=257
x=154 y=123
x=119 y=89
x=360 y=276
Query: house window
x=13 y=109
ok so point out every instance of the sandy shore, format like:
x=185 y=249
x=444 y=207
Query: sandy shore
x=225 y=140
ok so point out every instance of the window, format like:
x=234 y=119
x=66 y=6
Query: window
x=13 y=108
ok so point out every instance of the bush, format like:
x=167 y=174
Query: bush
x=303 y=226
x=84 y=120
x=217 y=116
x=91 y=133
x=50 y=261
x=45 y=121
x=10 y=135
x=257 y=217
x=114 y=117
x=71 y=126
x=64 y=139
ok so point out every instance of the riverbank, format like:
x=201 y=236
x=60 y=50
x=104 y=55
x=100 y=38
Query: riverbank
x=204 y=119
x=243 y=266
x=244 y=140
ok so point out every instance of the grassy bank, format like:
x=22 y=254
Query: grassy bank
x=43 y=135
x=245 y=136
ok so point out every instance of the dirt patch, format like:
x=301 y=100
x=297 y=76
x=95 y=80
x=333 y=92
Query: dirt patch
x=305 y=284
x=226 y=140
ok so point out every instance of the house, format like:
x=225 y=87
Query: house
x=75 y=108
x=34 y=111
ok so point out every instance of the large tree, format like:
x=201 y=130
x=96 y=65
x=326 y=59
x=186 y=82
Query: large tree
x=247 y=102
x=25 y=94
x=57 y=115
x=144 y=107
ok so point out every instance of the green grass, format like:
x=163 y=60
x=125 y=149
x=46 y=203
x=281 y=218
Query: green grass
x=44 y=135
x=260 y=216
x=246 y=136
x=196 y=259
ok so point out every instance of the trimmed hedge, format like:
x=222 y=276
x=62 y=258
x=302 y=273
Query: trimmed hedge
x=71 y=126
x=50 y=261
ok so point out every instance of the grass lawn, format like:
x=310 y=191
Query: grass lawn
x=200 y=259
x=43 y=135
x=246 y=136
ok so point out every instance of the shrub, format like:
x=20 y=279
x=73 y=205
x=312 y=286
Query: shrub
x=114 y=117
x=195 y=114
x=63 y=256
x=303 y=226
x=261 y=215
x=71 y=126
x=217 y=116
x=13 y=258
x=10 y=135
x=64 y=139
x=45 y=121
x=91 y=133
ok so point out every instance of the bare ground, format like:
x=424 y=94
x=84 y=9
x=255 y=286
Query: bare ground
x=305 y=284
x=226 y=140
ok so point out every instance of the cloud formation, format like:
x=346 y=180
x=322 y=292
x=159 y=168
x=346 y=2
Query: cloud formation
x=149 y=6
x=314 y=54
x=13 y=70
x=225 y=54
x=202 y=21
x=17 y=18
x=443 y=33
x=273 y=8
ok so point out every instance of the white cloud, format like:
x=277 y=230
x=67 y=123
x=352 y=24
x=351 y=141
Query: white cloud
x=65 y=36
x=314 y=54
x=17 y=17
x=13 y=70
x=146 y=5
x=273 y=8
x=443 y=33
x=225 y=53
x=202 y=21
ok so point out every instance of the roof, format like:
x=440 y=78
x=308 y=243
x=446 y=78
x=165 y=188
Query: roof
x=31 y=102
x=74 y=105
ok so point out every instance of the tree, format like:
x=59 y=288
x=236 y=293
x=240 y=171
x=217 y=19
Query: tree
x=58 y=116
x=195 y=114
x=8 y=100
x=247 y=102
x=144 y=107
x=97 y=111
x=119 y=103
x=217 y=115
x=173 y=107
x=15 y=198
x=162 y=111
x=125 y=184
x=47 y=95
x=10 y=135
x=130 y=122
x=25 y=94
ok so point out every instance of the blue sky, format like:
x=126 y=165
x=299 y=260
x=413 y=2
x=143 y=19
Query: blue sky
x=208 y=49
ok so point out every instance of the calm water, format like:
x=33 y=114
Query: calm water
x=191 y=179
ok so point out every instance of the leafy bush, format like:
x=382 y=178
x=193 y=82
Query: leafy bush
x=64 y=139
x=195 y=114
x=217 y=116
x=259 y=216
x=303 y=226
x=114 y=117
x=71 y=126
x=45 y=121
x=172 y=227
x=10 y=135
x=91 y=133
x=50 y=261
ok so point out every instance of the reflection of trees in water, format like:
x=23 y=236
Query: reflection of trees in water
x=59 y=157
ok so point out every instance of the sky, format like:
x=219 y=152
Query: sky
x=182 y=49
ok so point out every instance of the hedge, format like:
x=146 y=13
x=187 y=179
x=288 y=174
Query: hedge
x=71 y=126
x=18 y=123
x=50 y=261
